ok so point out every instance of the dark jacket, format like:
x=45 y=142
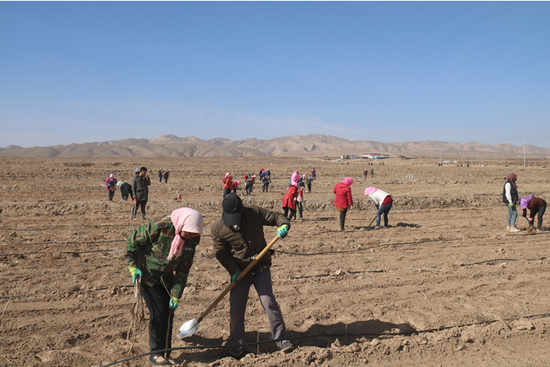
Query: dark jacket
x=140 y=187
x=534 y=205
x=235 y=249
x=513 y=193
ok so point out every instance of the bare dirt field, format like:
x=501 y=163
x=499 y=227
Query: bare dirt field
x=445 y=285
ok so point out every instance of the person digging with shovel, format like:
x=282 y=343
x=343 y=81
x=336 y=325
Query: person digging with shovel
x=238 y=237
x=160 y=255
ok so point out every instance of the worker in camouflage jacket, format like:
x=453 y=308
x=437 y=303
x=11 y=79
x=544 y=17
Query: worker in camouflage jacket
x=160 y=254
x=238 y=237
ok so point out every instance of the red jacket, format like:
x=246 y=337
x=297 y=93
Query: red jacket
x=228 y=184
x=343 y=197
x=288 y=199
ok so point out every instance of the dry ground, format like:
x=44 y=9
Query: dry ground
x=445 y=285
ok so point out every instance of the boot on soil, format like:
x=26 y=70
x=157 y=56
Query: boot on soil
x=514 y=229
x=158 y=360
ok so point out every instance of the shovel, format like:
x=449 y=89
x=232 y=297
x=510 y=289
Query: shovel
x=190 y=327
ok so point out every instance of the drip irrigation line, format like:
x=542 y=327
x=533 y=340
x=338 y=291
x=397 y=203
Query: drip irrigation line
x=494 y=260
x=61 y=252
x=375 y=335
x=62 y=226
x=57 y=243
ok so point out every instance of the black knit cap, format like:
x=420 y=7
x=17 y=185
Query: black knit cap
x=232 y=210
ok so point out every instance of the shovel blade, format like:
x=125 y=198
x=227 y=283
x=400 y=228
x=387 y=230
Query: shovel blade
x=188 y=328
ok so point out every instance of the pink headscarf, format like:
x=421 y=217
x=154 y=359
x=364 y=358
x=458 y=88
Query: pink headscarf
x=348 y=181
x=370 y=190
x=295 y=177
x=184 y=219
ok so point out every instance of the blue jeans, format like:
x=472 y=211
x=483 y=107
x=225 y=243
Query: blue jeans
x=512 y=215
x=383 y=209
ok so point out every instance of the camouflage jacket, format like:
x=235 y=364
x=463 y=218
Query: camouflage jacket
x=148 y=247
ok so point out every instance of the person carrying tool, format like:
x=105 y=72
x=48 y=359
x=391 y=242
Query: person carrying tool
x=166 y=175
x=237 y=237
x=161 y=253
x=510 y=197
x=343 y=199
x=383 y=202
x=536 y=206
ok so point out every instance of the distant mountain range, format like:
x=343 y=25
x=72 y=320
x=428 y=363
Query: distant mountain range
x=312 y=145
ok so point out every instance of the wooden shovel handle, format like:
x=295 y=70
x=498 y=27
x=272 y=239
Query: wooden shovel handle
x=233 y=284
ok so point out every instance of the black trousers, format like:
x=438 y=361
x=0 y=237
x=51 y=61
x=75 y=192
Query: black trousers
x=292 y=212
x=143 y=204
x=540 y=213
x=111 y=194
x=157 y=300
x=343 y=219
x=226 y=191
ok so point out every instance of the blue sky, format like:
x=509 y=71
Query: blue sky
x=74 y=72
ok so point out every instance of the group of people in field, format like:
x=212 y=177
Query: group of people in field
x=535 y=205
x=160 y=253
x=138 y=190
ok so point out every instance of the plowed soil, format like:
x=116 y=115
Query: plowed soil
x=444 y=285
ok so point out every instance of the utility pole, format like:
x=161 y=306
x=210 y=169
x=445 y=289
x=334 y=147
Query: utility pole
x=440 y=153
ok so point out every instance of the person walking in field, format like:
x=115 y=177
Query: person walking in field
x=309 y=181
x=300 y=200
x=247 y=189
x=383 y=202
x=536 y=206
x=510 y=197
x=372 y=173
x=161 y=173
x=140 y=187
x=366 y=173
x=166 y=175
x=289 y=200
x=160 y=254
x=238 y=237
x=265 y=182
x=343 y=200
x=111 y=185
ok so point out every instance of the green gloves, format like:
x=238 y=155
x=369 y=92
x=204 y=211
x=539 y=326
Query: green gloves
x=510 y=204
x=234 y=278
x=174 y=303
x=351 y=207
x=135 y=272
x=282 y=231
